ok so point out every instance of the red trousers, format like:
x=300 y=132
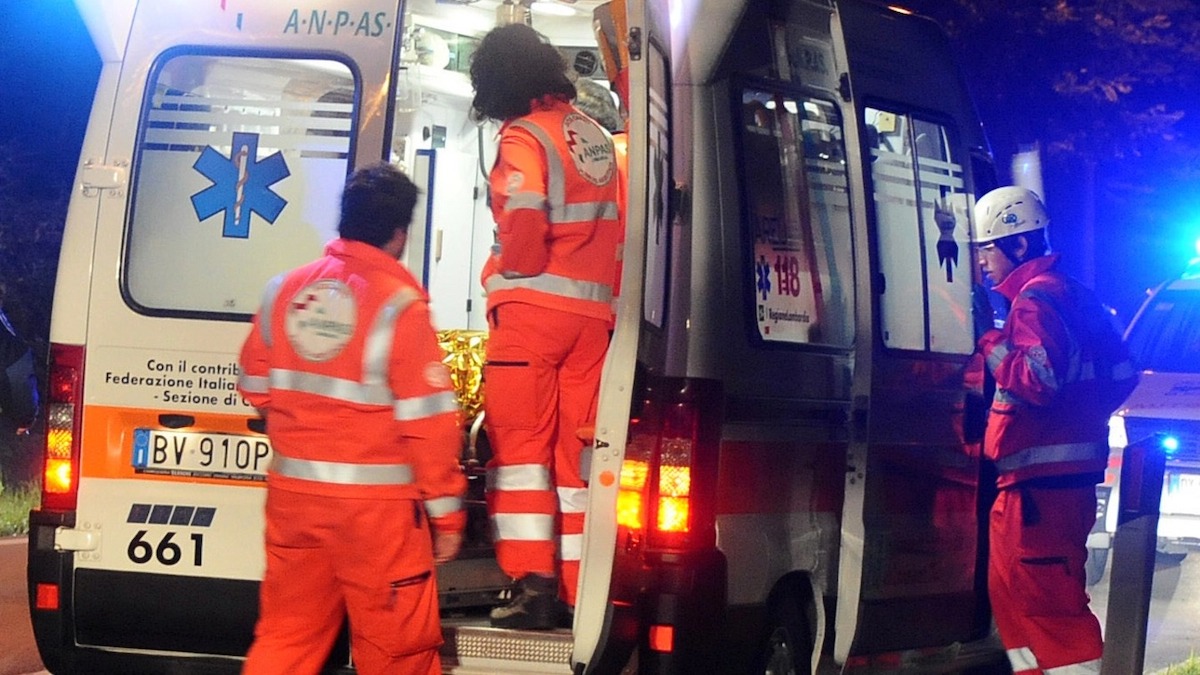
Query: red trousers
x=328 y=557
x=1036 y=579
x=541 y=383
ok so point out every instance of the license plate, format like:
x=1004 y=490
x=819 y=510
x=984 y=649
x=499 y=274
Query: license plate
x=190 y=453
x=1181 y=493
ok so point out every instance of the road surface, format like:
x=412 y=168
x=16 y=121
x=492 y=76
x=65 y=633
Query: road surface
x=17 y=651
x=1174 y=630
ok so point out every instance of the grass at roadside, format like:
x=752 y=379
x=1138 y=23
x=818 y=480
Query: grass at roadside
x=15 y=503
x=1189 y=667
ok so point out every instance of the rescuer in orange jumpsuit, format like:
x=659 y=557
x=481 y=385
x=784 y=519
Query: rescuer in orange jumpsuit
x=1060 y=370
x=344 y=364
x=549 y=289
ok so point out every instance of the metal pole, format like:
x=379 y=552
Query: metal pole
x=1132 y=574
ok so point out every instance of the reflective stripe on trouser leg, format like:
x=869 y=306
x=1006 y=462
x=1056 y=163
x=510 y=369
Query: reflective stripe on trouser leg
x=579 y=387
x=520 y=391
x=572 y=502
x=1036 y=575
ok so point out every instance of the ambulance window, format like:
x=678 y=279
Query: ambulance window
x=238 y=174
x=797 y=218
x=1166 y=335
x=921 y=228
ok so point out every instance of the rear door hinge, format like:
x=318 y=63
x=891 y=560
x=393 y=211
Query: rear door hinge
x=97 y=177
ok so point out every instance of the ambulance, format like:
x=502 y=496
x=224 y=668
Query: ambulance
x=785 y=474
x=1164 y=339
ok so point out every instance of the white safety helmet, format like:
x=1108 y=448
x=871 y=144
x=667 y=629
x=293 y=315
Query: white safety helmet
x=1007 y=211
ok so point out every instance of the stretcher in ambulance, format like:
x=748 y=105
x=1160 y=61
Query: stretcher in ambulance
x=786 y=473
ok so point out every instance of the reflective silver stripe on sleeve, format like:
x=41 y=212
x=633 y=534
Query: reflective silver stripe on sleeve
x=342 y=473
x=267 y=308
x=420 y=407
x=330 y=387
x=377 y=348
x=525 y=200
x=570 y=547
x=572 y=500
x=518 y=477
x=555 y=285
x=523 y=527
x=255 y=384
x=443 y=506
x=1051 y=454
x=999 y=351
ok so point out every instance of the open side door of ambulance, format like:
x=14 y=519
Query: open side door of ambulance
x=911 y=588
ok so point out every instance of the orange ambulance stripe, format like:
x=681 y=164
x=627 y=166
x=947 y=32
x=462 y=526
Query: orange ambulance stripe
x=108 y=441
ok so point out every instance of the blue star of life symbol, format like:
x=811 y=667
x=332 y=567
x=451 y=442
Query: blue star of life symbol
x=763 y=272
x=241 y=185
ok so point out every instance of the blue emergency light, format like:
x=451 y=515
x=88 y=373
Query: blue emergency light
x=1170 y=444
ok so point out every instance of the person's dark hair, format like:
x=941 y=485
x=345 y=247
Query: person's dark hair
x=1036 y=245
x=377 y=200
x=514 y=65
x=594 y=100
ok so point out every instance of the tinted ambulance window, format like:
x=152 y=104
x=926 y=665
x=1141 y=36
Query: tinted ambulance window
x=1166 y=335
x=921 y=212
x=797 y=218
x=238 y=175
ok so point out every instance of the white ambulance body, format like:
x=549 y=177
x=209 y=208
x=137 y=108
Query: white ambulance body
x=785 y=475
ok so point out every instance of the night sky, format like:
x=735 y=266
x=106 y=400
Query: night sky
x=49 y=73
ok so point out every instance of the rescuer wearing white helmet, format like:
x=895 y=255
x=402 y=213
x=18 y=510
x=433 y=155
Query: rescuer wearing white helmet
x=1060 y=370
x=1000 y=216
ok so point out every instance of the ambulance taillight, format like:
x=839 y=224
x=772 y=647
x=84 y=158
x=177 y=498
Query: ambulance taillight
x=668 y=475
x=60 y=479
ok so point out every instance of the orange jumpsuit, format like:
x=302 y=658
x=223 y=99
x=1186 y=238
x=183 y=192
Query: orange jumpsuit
x=1060 y=370
x=364 y=426
x=554 y=197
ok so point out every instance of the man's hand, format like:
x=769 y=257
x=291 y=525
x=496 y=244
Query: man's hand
x=446 y=546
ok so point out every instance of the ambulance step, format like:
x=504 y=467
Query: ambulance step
x=471 y=650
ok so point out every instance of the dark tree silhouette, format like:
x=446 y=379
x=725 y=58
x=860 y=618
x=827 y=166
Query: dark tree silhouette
x=1108 y=89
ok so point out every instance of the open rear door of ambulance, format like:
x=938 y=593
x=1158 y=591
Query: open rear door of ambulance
x=216 y=163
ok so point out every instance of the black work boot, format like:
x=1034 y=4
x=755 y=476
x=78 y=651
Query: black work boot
x=534 y=605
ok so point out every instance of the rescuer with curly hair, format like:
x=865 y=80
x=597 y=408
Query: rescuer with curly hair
x=549 y=295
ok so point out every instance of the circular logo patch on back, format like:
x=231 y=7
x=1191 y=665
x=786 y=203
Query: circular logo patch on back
x=590 y=149
x=320 y=319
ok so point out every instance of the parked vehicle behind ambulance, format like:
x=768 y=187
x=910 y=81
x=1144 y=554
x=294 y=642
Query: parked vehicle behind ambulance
x=1164 y=340
x=786 y=473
